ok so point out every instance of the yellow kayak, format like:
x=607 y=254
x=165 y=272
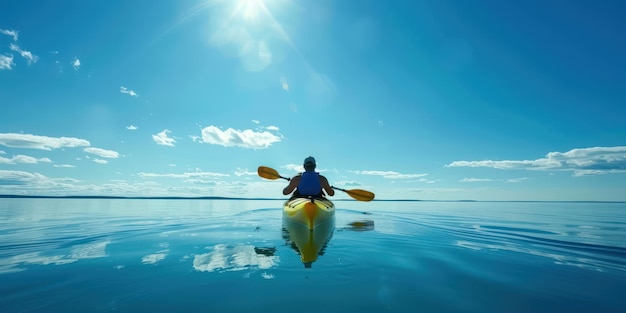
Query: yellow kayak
x=309 y=224
x=310 y=212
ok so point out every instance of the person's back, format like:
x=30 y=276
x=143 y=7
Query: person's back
x=309 y=183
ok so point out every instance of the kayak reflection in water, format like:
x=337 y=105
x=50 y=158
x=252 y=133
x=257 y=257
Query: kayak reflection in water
x=308 y=244
x=309 y=183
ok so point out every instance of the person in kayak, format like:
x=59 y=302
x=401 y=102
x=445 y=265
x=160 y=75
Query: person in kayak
x=309 y=183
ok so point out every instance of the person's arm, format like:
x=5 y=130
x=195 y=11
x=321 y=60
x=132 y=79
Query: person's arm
x=293 y=183
x=326 y=186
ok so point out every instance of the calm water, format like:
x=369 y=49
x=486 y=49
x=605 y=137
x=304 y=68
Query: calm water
x=70 y=255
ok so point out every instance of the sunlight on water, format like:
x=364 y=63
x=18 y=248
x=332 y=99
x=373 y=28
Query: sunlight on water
x=135 y=255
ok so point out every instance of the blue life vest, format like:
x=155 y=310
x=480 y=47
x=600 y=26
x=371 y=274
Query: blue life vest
x=310 y=184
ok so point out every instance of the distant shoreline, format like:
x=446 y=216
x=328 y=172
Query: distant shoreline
x=282 y=199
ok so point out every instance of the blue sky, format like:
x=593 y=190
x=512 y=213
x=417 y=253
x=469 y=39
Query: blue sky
x=440 y=100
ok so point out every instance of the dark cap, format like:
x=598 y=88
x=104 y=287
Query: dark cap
x=309 y=161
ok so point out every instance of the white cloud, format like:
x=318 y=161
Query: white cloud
x=24 y=159
x=585 y=161
x=295 y=167
x=255 y=121
x=102 y=153
x=348 y=183
x=26 y=183
x=201 y=182
x=163 y=139
x=237 y=138
x=272 y=128
x=389 y=174
x=10 y=32
x=132 y=127
x=19 y=177
x=579 y=173
x=128 y=92
x=517 y=180
x=242 y=172
x=29 y=141
x=183 y=175
x=507 y=164
x=76 y=64
x=6 y=62
x=300 y=168
x=475 y=180
x=100 y=161
x=29 y=56
x=64 y=165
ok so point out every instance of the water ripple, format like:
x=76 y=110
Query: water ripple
x=590 y=241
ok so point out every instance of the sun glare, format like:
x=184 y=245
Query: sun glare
x=249 y=9
x=246 y=29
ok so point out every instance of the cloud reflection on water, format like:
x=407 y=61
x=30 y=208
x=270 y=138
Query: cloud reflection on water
x=158 y=256
x=155 y=257
x=17 y=263
x=226 y=258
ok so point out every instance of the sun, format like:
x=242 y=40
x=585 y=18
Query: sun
x=246 y=29
x=250 y=9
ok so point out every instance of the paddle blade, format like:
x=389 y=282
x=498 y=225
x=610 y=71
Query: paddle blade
x=268 y=173
x=360 y=194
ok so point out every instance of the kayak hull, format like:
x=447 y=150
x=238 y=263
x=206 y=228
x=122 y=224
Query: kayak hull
x=310 y=212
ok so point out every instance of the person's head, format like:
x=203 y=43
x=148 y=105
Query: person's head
x=309 y=164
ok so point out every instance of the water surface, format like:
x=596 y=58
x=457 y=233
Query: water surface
x=124 y=255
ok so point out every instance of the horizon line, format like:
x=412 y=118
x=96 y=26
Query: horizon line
x=282 y=199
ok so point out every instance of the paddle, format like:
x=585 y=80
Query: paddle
x=270 y=173
x=357 y=194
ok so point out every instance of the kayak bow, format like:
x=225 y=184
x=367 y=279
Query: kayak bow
x=310 y=212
